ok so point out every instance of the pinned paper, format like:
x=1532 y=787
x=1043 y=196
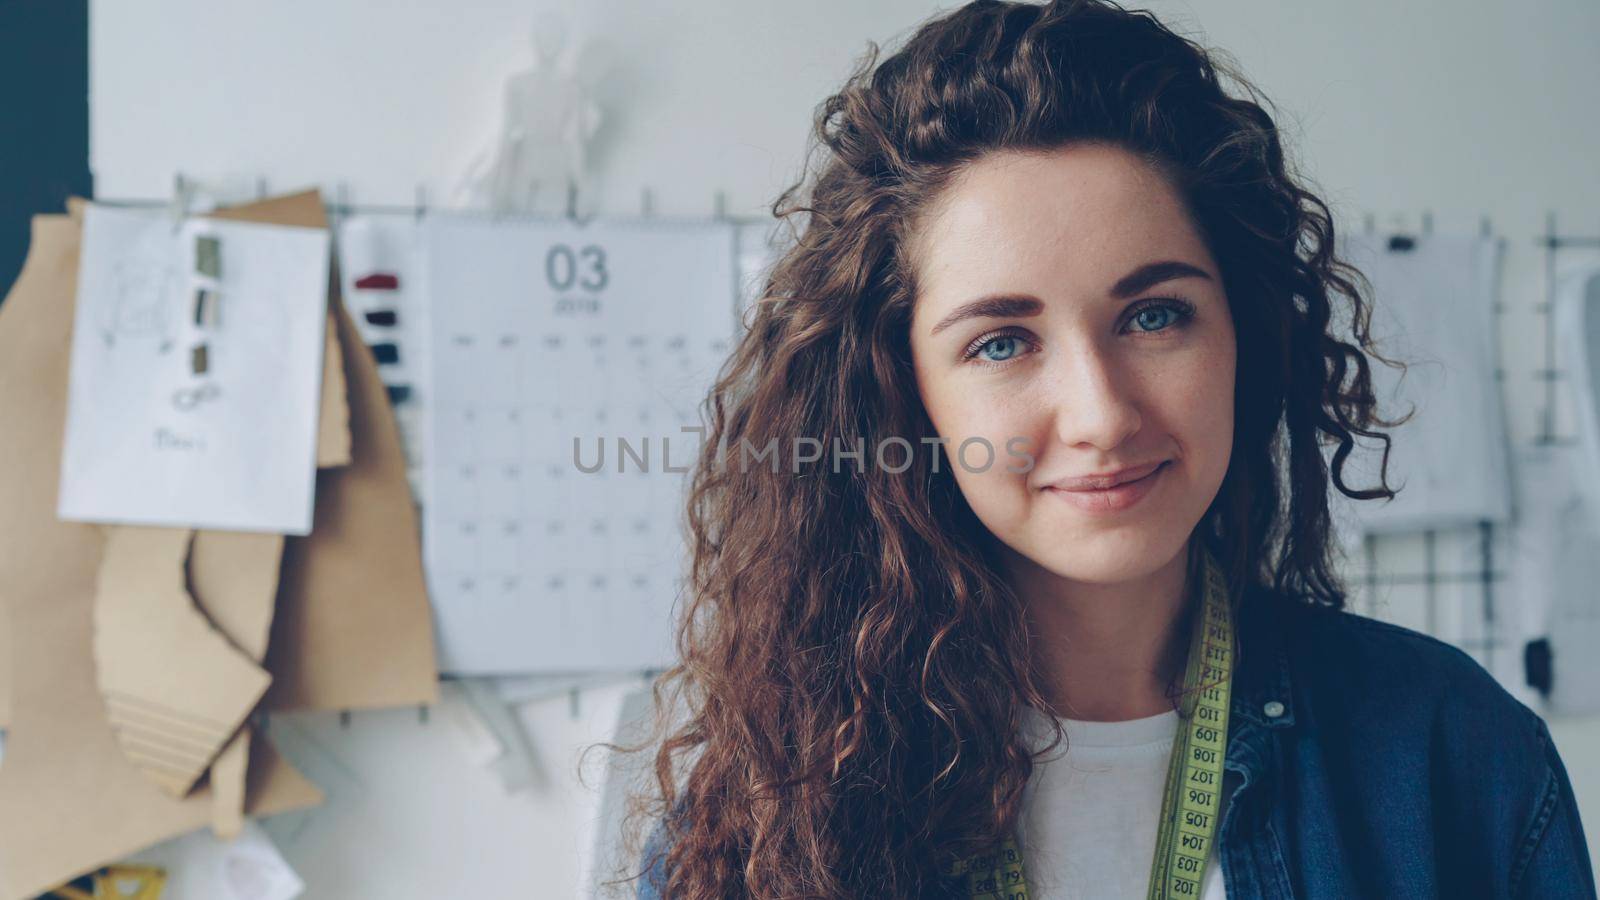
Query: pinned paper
x=1434 y=310
x=381 y=262
x=176 y=690
x=63 y=765
x=516 y=536
x=353 y=628
x=137 y=449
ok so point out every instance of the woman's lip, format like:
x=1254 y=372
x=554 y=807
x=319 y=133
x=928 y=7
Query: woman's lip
x=1097 y=483
x=1112 y=499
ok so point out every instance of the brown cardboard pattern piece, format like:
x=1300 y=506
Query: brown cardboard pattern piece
x=353 y=628
x=233 y=576
x=333 y=449
x=5 y=665
x=175 y=688
x=333 y=421
x=70 y=801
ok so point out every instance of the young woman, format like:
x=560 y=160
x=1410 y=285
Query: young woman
x=1011 y=561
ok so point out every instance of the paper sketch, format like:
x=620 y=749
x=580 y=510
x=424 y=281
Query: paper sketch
x=201 y=418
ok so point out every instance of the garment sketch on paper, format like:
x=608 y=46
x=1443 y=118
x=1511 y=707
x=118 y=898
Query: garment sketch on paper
x=144 y=309
x=221 y=431
x=548 y=118
x=144 y=315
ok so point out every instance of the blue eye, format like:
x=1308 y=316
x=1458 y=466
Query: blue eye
x=1000 y=348
x=997 y=348
x=1008 y=345
x=1153 y=319
x=1162 y=314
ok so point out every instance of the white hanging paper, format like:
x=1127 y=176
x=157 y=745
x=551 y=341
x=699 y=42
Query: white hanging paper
x=380 y=273
x=1433 y=310
x=544 y=333
x=149 y=439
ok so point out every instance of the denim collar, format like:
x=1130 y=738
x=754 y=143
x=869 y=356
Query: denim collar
x=1261 y=682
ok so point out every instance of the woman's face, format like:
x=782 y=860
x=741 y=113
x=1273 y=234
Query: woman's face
x=1067 y=304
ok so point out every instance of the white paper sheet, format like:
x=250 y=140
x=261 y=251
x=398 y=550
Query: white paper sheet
x=201 y=866
x=1434 y=310
x=543 y=332
x=150 y=442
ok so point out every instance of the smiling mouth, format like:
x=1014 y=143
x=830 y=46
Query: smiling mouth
x=1098 y=482
x=1115 y=498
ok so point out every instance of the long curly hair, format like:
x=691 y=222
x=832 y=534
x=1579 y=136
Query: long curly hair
x=851 y=666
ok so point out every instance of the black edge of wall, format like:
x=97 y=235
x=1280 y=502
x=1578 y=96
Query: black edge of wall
x=44 y=118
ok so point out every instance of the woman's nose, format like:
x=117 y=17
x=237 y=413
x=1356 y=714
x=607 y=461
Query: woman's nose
x=1096 y=404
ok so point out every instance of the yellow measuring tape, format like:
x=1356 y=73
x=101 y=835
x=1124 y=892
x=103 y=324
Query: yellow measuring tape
x=1194 y=774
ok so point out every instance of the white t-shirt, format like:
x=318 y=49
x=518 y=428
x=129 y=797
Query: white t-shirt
x=1088 y=827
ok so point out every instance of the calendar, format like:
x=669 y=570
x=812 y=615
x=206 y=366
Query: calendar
x=568 y=364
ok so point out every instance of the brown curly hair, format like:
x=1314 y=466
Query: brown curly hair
x=851 y=665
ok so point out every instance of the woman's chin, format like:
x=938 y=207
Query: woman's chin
x=1110 y=558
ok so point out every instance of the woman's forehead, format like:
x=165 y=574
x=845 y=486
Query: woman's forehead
x=1077 y=218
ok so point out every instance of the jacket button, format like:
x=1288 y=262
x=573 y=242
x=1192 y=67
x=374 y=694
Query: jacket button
x=1273 y=709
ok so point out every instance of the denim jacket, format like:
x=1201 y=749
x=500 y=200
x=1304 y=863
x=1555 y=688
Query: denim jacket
x=1369 y=760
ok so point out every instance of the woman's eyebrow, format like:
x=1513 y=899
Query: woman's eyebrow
x=1151 y=274
x=997 y=306
x=1006 y=306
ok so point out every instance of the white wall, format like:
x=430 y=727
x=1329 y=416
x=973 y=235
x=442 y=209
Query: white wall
x=1464 y=110
x=1402 y=106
